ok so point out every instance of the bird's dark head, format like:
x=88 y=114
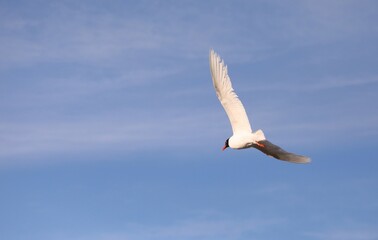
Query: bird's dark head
x=225 y=145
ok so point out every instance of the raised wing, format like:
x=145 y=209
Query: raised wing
x=275 y=151
x=227 y=96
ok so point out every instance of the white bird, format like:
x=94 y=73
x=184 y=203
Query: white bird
x=243 y=137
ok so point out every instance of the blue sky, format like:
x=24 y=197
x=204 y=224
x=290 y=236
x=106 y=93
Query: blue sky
x=110 y=128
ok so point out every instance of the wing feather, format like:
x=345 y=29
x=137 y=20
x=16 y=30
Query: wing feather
x=275 y=151
x=227 y=96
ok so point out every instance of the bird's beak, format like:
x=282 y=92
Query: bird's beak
x=224 y=147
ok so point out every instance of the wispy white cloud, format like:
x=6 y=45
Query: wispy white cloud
x=350 y=233
x=190 y=229
x=126 y=132
x=310 y=85
x=73 y=41
x=72 y=32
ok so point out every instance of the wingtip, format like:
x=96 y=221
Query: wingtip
x=301 y=159
x=216 y=59
x=308 y=160
x=212 y=53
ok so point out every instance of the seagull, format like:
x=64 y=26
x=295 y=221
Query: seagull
x=243 y=136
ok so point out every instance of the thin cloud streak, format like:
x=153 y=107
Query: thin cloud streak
x=321 y=84
x=346 y=234
x=70 y=33
x=190 y=229
x=86 y=134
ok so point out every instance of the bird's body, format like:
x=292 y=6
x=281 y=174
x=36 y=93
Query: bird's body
x=243 y=136
x=246 y=140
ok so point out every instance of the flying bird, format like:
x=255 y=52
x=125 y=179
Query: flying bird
x=243 y=136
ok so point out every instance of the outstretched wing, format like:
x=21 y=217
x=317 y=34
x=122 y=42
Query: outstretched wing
x=227 y=96
x=275 y=151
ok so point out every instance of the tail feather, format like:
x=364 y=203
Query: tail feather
x=260 y=135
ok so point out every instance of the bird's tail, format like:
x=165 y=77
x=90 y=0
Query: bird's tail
x=260 y=135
